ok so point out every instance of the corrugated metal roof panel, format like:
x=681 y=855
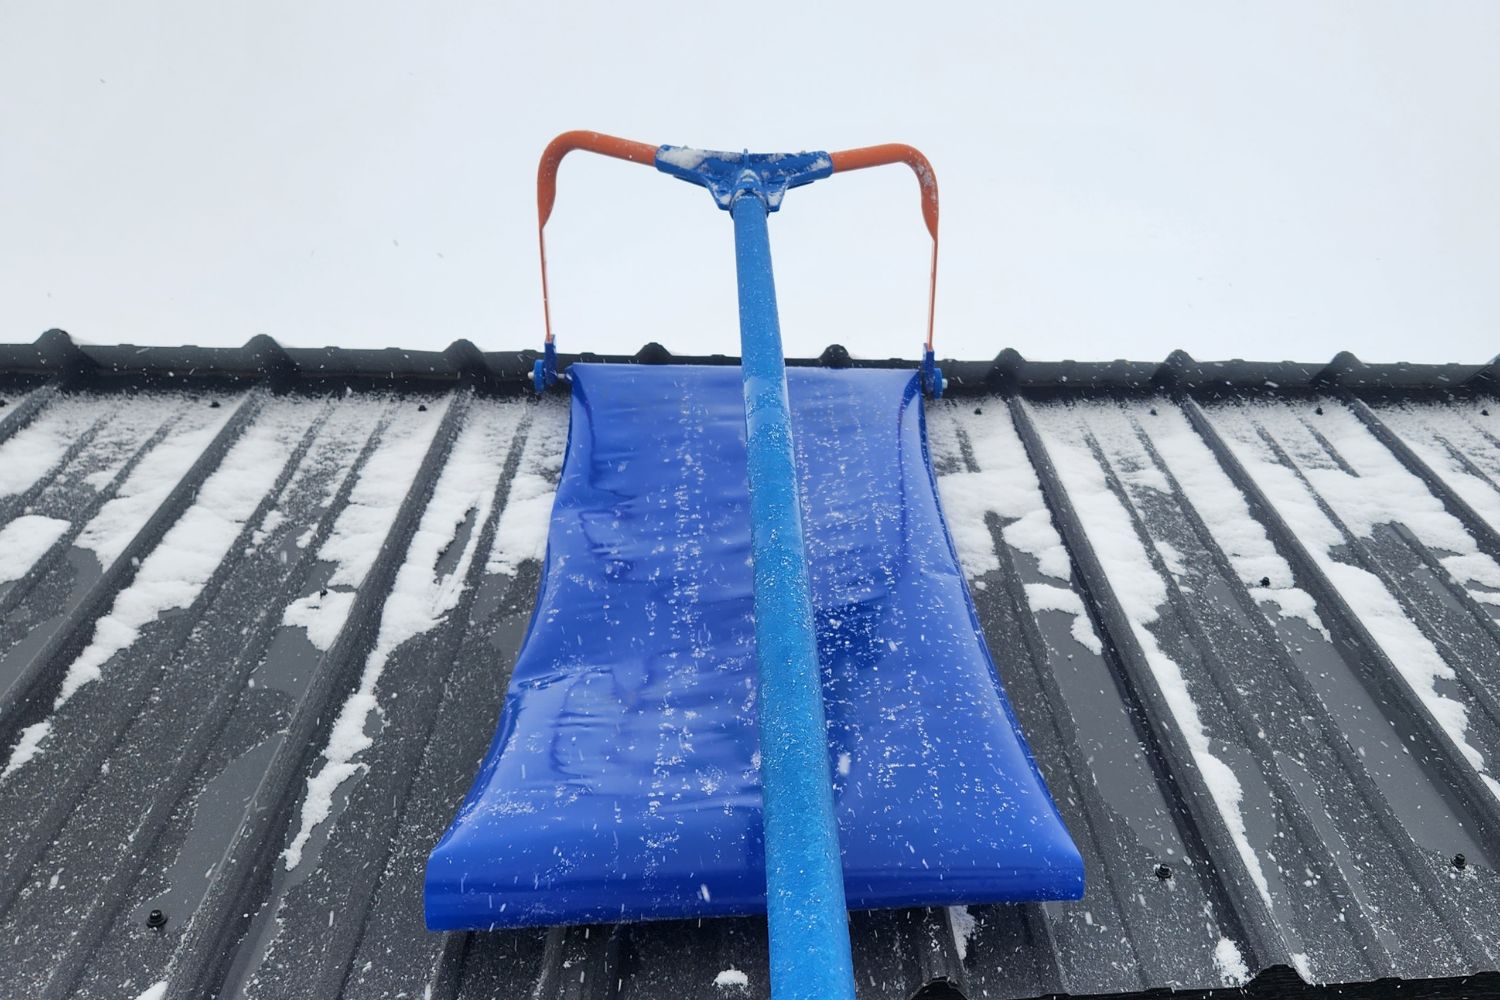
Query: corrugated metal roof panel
x=255 y=633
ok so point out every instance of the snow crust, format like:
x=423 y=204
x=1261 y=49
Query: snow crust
x=174 y=572
x=1141 y=592
x=157 y=991
x=419 y=598
x=1362 y=502
x=521 y=535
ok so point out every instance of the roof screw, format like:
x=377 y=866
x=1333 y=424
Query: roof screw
x=1265 y=581
x=213 y=404
x=422 y=408
x=1460 y=862
x=1163 y=872
x=978 y=411
x=1318 y=411
x=1153 y=411
x=156 y=920
x=1482 y=413
x=6 y=402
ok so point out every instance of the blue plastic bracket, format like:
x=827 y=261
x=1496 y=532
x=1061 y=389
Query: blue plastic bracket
x=932 y=376
x=544 y=374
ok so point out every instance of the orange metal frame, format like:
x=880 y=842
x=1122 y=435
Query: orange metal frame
x=644 y=153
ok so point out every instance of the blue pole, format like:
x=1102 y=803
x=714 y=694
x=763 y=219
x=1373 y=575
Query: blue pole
x=809 y=922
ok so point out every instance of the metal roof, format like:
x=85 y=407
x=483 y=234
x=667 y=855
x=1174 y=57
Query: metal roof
x=258 y=609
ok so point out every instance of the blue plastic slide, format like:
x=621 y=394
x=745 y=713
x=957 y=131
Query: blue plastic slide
x=622 y=782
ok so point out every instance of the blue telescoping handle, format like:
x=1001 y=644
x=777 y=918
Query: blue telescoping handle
x=807 y=918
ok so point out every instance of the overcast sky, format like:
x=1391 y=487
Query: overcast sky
x=1239 y=180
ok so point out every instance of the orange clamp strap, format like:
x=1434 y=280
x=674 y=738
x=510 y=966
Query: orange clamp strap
x=898 y=152
x=546 y=183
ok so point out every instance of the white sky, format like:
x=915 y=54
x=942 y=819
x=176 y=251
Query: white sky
x=1239 y=180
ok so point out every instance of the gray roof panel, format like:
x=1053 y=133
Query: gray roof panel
x=256 y=624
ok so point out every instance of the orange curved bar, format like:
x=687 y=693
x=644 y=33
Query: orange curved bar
x=899 y=152
x=589 y=142
x=546 y=183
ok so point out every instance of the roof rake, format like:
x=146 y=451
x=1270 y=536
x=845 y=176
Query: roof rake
x=754 y=680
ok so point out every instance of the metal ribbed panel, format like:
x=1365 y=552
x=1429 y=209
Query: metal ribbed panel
x=255 y=635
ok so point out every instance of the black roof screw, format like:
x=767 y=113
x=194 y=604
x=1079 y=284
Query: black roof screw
x=1153 y=411
x=1318 y=410
x=156 y=920
x=6 y=402
x=978 y=411
x=1482 y=413
x=421 y=407
x=1163 y=872
x=213 y=404
x=1265 y=581
x=1460 y=862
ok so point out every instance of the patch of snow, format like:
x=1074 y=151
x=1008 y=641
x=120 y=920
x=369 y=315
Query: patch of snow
x=150 y=482
x=1169 y=554
x=1045 y=597
x=419 y=598
x=1381 y=490
x=187 y=555
x=682 y=157
x=1005 y=485
x=25 y=540
x=732 y=979
x=40 y=445
x=156 y=991
x=1304 y=969
x=1230 y=963
x=521 y=535
x=1412 y=654
x=845 y=763
x=1225 y=512
x=268 y=526
x=1141 y=592
x=1446 y=436
x=961 y=921
x=321 y=615
x=26 y=747
x=174 y=572
x=355 y=539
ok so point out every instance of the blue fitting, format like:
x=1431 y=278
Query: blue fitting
x=728 y=175
x=544 y=372
x=932 y=376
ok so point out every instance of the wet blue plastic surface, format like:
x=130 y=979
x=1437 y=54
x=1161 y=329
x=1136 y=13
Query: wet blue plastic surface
x=621 y=784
